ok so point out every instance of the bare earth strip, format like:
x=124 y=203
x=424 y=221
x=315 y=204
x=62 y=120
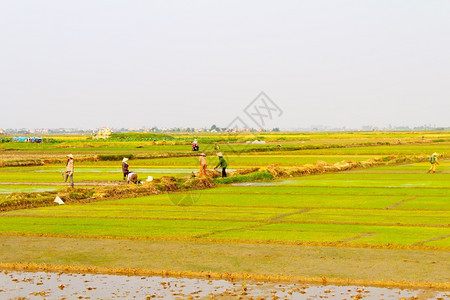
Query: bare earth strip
x=356 y=237
x=401 y=202
x=374 y=267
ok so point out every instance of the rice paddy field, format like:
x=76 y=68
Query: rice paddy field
x=386 y=226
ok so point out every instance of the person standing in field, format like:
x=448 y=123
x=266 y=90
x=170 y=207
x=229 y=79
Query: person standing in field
x=222 y=163
x=125 y=168
x=433 y=162
x=69 y=169
x=195 y=146
x=202 y=160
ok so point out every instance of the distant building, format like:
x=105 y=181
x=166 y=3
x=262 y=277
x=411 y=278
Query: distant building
x=27 y=139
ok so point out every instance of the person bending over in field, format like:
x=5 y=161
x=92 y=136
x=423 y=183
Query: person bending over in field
x=125 y=168
x=203 y=166
x=132 y=178
x=222 y=163
x=69 y=169
x=433 y=162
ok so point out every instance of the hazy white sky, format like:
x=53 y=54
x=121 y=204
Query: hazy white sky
x=198 y=63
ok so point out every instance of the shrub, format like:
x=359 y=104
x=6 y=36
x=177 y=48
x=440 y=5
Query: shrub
x=255 y=176
x=140 y=136
x=50 y=140
x=111 y=157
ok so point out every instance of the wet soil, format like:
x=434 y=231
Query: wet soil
x=39 y=285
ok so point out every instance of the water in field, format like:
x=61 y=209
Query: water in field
x=119 y=171
x=27 y=285
x=254 y=184
x=272 y=183
x=5 y=189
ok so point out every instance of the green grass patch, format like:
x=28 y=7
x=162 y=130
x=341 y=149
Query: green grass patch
x=255 y=176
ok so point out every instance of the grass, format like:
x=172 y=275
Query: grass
x=357 y=215
x=52 y=174
x=335 y=224
x=308 y=142
x=290 y=260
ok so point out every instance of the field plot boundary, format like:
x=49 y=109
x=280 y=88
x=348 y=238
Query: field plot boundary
x=395 y=205
x=33 y=267
x=438 y=238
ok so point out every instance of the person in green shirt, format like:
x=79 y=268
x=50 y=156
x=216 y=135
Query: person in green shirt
x=433 y=162
x=222 y=163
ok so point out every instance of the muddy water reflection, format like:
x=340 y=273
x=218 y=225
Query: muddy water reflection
x=15 y=284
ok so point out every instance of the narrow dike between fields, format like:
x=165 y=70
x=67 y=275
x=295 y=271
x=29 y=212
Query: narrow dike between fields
x=168 y=184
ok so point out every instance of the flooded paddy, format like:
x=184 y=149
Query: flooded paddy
x=39 y=285
x=272 y=183
x=7 y=189
x=119 y=171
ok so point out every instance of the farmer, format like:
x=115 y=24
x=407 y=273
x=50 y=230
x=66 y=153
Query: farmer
x=195 y=146
x=69 y=169
x=433 y=162
x=132 y=177
x=125 y=168
x=202 y=160
x=222 y=163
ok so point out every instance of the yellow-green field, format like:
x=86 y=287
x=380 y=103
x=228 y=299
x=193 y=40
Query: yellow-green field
x=385 y=224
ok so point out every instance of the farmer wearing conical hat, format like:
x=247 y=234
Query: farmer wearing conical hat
x=69 y=169
x=433 y=162
x=125 y=168
x=202 y=160
x=195 y=146
x=222 y=163
x=132 y=177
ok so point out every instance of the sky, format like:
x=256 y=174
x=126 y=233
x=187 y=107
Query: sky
x=70 y=64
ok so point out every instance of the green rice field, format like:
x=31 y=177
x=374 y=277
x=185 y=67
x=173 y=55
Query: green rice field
x=391 y=212
x=355 y=208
